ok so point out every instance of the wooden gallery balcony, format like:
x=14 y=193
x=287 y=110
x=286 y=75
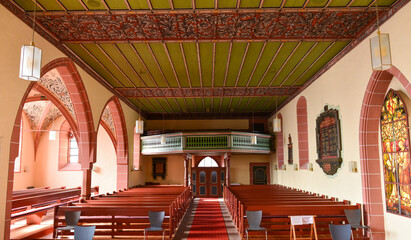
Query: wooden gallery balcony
x=234 y=142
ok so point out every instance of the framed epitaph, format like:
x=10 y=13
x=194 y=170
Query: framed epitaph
x=159 y=167
x=329 y=141
x=290 y=150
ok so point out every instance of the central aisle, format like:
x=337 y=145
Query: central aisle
x=208 y=221
x=207 y=218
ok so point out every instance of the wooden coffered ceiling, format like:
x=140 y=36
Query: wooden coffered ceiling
x=205 y=58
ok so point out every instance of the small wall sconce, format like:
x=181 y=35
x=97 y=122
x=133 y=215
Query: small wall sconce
x=275 y=167
x=296 y=167
x=353 y=166
x=284 y=167
x=26 y=168
x=310 y=167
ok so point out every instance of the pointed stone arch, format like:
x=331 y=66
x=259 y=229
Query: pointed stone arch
x=76 y=89
x=121 y=141
x=369 y=146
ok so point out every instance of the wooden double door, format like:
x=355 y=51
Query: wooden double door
x=207 y=181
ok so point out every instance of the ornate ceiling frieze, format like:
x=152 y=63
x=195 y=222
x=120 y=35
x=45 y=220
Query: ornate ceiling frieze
x=208 y=26
x=107 y=118
x=52 y=81
x=34 y=112
x=206 y=92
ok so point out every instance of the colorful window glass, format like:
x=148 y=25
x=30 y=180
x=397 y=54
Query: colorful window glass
x=395 y=150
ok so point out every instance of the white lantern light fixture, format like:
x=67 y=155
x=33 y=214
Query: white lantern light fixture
x=254 y=139
x=163 y=140
x=140 y=126
x=52 y=135
x=380 y=49
x=276 y=124
x=30 y=58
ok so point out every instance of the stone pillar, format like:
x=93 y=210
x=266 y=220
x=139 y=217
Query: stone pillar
x=227 y=169
x=86 y=188
x=187 y=158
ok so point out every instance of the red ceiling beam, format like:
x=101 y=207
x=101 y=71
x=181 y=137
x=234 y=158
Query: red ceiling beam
x=206 y=92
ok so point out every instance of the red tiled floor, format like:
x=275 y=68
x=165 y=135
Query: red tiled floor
x=208 y=221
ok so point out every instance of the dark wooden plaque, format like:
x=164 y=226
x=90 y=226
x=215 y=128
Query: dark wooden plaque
x=329 y=141
x=290 y=150
x=159 y=167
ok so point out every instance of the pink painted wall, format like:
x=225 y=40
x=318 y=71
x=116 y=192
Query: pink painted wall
x=25 y=177
x=104 y=172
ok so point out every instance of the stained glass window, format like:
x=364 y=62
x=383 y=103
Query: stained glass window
x=395 y=150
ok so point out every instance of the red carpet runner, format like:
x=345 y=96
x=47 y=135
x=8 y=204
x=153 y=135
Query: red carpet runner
x=208 y=221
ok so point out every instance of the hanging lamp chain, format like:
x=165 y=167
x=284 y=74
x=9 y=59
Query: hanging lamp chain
x=34 y=23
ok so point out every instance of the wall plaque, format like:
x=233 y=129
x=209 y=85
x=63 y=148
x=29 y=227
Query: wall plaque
x=159 y=167
x=290 y=150
x=329 y=141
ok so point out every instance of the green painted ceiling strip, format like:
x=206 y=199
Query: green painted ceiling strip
x=116 y=5
x=251 y=105
x=243 y=103
x=173 y=104
x=204 y=3
x=259 y=104
x=227 y=4
x=292 y=62
x=285 y=51
x=317 y=3
x=138 y=4
x=157 y=105
x=249 y=3
x=206 y=56
x=220 y=63
x=139 y=105
x=249 y=63
x=145 y=54
x=361 y=3
x=178 y=62
x=339 y=3
x=216 y=104
x=190 y=103
x=234 y=103
x=190 y=51
x=207 y=104
x=165 y=105
x=237 y=54
x=72 y=5
x=27 y=5
x=264 y=62
x=93 y=64
x=182 y=4
x=114 y=54
x=132 y=58
x=272 y=4
x=294 y=3
x=225 y=104
x=160 y=4
x=338 y=46
x=100 y=7
x=182 y=104
x=49 y=5
x=98 y=54
x=314 y=54
x=386 y=3
x=199 y=104
x=165 y=65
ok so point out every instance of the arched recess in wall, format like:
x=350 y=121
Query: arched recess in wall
x=369 y=146
x=280 y=144
x=302 y=126
x=112 y=119
x=84 y=123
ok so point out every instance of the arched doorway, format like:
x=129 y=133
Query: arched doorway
x=208 y=176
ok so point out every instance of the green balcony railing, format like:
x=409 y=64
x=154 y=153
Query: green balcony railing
x=206 y=141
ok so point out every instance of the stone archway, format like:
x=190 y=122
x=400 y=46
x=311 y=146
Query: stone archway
x=369 y=146
x=78 y=95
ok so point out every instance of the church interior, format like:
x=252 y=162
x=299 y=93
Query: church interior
x=284 y=108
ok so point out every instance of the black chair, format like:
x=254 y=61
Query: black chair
x=354 y=219
x=340 y=232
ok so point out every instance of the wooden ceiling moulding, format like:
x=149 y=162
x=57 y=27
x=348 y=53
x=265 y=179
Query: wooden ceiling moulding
x=209 y=115
x=204 y=26
x=206 y=92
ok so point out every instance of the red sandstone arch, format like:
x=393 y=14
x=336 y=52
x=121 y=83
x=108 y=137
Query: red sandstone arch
x=121 y=141
x=369 y=146
x=302 y=126
x=76 y=89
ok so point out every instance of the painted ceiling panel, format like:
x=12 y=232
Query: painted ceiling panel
x=301 y=50
x=178 y=63
x=242 y=56
x=237 y=55
x=144 y=51
x=268 y=54
x=221 y=58
x=283 y=54
x=190 y=53
x=254 y=50
x=206 y=59
x=165 y=65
